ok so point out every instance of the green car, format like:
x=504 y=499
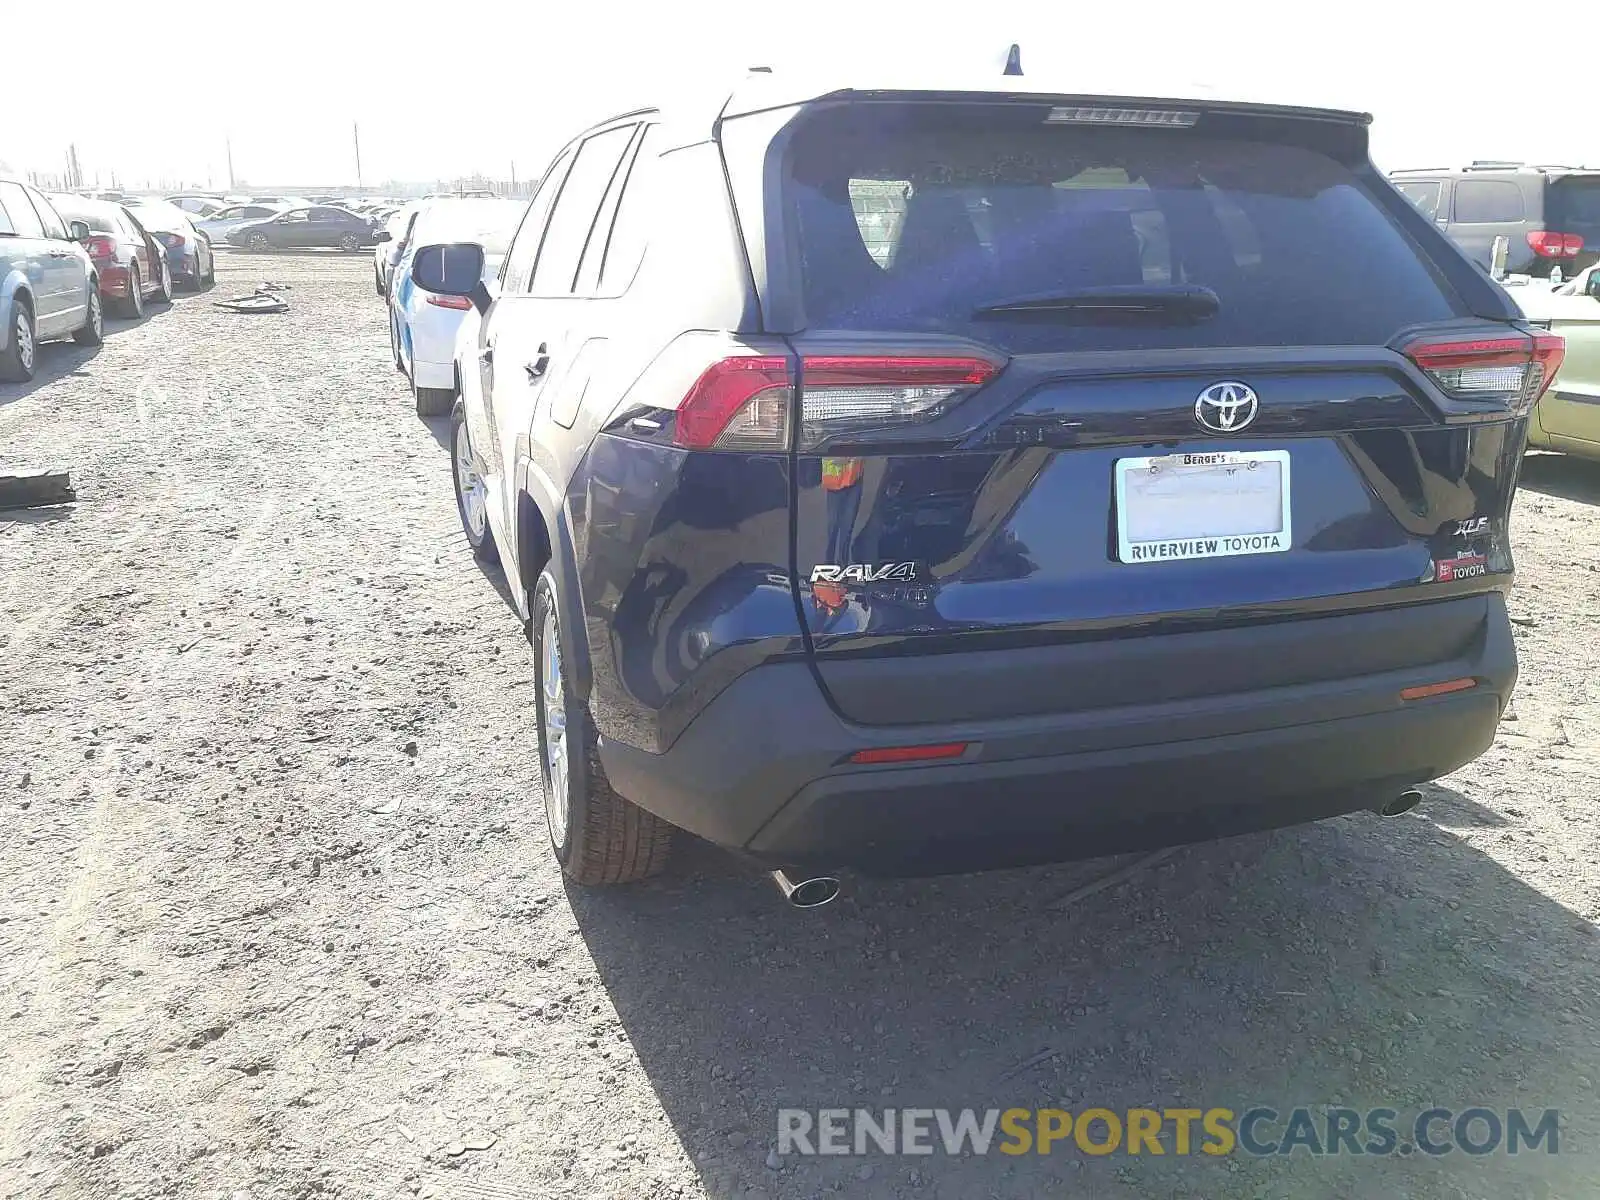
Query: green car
x=1567 y=417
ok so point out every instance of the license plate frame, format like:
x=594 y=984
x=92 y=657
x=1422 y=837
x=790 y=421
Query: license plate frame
x=1203 y=470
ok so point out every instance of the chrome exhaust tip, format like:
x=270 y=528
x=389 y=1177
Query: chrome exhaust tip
x=1403 y=803
x=811 y=892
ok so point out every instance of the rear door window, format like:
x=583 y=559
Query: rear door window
x=1424 y=193
x=576 y=209
x=54 y=226
x=516 y=273
x=1487 y=202
x=913 y=218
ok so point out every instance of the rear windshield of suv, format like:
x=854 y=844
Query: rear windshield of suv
x=1573 y=206
x=913 y=217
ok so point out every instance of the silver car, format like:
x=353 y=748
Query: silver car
x=48 y=286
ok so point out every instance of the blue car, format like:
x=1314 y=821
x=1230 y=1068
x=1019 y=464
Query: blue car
x=980 y=474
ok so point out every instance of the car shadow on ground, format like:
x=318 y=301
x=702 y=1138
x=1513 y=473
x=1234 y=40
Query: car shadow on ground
x=59 y=359
x=1562 y=475
x=1361 y=962
x=52 y=515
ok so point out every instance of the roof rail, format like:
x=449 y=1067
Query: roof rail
x=1493 y=164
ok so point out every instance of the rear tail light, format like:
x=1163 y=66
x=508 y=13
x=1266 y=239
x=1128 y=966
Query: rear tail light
x=100 y=247
x=744 y=403
x=459 y=303
x=173 y=241
x=1507 y=372
x=1555 y=245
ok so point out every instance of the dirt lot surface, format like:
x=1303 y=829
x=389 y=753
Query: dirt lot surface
x=279 y=918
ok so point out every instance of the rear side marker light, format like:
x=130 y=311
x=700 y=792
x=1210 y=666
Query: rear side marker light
x=459 y=303
x=1554 y=245
x=1437 y=689
x=903 y=754
x=1513 y=371
x=744 y=403
x=1147 y=117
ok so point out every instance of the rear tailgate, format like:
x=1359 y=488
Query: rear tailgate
x=1074 y=372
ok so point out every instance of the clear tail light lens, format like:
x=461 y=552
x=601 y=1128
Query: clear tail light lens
x=841 y=393
x=1509 y=372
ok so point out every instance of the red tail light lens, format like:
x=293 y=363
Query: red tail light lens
x=1555 y=245
x=745 y=403
x=738 y=404
x=100 y=247
x=459 y=303
x=1510 y=372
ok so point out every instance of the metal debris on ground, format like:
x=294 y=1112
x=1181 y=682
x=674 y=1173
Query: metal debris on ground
x=258 y=301
x=35 y=489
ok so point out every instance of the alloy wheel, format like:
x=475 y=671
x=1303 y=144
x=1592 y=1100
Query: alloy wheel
x=24 y=334
x=470 y=487
x=554 y=734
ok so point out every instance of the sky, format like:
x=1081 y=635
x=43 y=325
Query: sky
x=451 y=88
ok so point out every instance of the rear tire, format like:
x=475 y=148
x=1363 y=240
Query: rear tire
x=20 y=358
x=93 y=330
x=598 y=836
x=471 y=497
x=210 y=276
x=164 y=291
x=131 y=306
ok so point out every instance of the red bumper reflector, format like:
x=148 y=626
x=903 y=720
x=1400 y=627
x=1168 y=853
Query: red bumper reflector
x=1437 y=689
x=900 y=754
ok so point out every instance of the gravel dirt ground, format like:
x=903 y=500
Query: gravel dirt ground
x=279 y=917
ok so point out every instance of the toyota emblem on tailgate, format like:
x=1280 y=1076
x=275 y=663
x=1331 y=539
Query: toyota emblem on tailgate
x=1225 y=407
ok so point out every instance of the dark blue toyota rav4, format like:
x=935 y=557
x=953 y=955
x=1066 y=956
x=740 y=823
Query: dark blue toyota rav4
x=932 y=480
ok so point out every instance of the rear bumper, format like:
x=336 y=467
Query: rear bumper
x=113 y=279
x=762 y=769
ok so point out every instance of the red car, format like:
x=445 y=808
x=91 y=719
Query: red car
x=131 y=263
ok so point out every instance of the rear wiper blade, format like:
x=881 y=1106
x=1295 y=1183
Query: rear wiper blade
x=1188 y=301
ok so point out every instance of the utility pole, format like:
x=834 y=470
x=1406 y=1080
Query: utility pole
x=228 y=142
x=357 y=129
x=513 y=177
